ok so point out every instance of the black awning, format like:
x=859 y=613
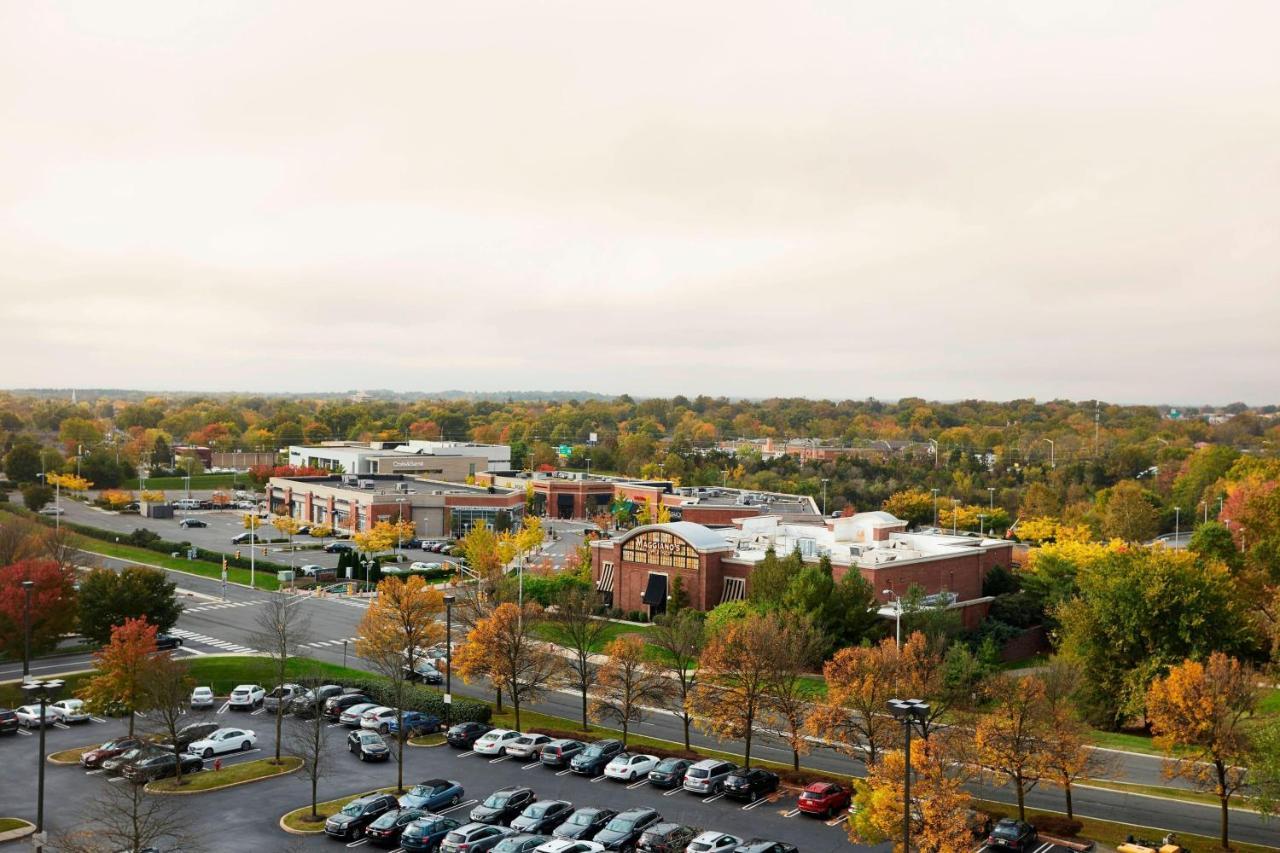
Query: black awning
x=655 y=592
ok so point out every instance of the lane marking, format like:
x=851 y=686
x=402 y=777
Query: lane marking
x=713 y=797
x=531 y=766
x=673 y=792
x=358 y=843
x=499 y=760
x=637 y=784
x=599 y=778
x=838 y=819
x=461 y=805
x=791 y=813
x=760 y=802
x=467 y=753
x=97 y=772
x=564 y=772
x=60 y=725
x=97 y=719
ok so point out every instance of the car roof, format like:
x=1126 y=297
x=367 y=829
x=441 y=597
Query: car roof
x=708 y=763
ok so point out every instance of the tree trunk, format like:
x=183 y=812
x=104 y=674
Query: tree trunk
x=132 y=715
x=746 y=751
x=400 y=739
x=515 y=703
x=177 y=765
x=1223 y=824
x=1067 y=789
x=624 y=732
x=1223 y=798
x=795 y=760
x=279 y=725
x=687 y=748
x=585 y=727
x=498 y=690
x=315 y=779
x=1022 y=798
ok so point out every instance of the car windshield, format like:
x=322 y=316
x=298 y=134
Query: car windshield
x=1007 y=830
x=582 y=818
x=497 y=801
x=621 y=824
x=387 y=821
x=594 y=751
x=456 y=837
x=537 y=809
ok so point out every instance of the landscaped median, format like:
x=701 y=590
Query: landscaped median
x=433 y=739
x=227 y=777
x=70 y=756
x=301 y=822
x=15 y=827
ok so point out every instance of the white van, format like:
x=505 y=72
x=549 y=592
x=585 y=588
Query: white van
x=186 y=503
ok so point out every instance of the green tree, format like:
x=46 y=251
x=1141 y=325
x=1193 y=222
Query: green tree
x=771 y=578
x=679 y=596
x=22 y=463
x=108 y=598
x=1200 y=471
x=36 y=497
x=1129 y=515
x=1213 y=541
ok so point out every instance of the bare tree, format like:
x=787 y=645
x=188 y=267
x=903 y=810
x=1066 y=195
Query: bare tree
x=166 y=688
x=306 y=738
x=798 y=648
x=581 y=634
x=681 y=636
x=282 y=629
x=125 y=817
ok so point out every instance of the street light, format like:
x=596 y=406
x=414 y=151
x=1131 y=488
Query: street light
x=897 y=609
x=824 y=496
x=935 y=508
x=982 y=518
x=399 y=525
x=1052 y=449
x=1177 y=524
x=344 y=654
x=43 y=690
x=448 y=658
x=26 y=628
x=991 y=495
x=908 y=712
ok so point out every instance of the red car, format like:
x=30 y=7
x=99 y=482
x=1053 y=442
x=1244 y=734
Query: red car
x=823 y=798
x=110 y=749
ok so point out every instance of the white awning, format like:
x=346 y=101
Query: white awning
x=605 y=584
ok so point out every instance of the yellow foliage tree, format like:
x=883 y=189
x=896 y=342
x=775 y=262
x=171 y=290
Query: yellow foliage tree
x=117 y=498
x=502 y=648
x=1044 y=529
x=1009 y=736
x=70 y=482
x=320 y=531
x=734 y=672
x=381 y=537
x=939 y=803
x=154 y=496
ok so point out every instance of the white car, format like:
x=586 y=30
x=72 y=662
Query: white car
x=352 y=716
x=377 y=718
x=494 y=741
x=202 y=697
x=569 y=845
x=630 y=766
x=528 y=746
x=713 y=842
x=309 y=570
x=247 y=696
x=224 y=740
x=423 y=567
x=69 y=711
x=52 y=510
x=29 y=715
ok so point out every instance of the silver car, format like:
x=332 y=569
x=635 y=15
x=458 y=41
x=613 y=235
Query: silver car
x=707 y=776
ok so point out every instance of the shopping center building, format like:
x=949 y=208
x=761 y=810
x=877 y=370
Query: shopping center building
x=454 y=461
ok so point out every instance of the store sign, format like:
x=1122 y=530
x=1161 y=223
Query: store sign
x=659 y=548
x=407 y=463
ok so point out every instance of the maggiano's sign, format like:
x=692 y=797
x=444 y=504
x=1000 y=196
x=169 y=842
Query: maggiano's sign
x=658 y=548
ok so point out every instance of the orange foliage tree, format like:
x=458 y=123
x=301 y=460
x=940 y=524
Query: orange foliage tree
x=122 y=665
x=625 y=684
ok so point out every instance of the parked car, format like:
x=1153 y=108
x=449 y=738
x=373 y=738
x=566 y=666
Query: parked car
x=246 y=697
x=419 y=566
x=159 y=766
x=665 y=838
x=528 y=746
x=503 y=805
x=31 y=716
x=52 y=510
x=569 y=845
x=474 y=838
x=669 y=772
x=433 y=794
x=192 y=522
x=247 y=538
x=338 y=547
x=117 y=763
x=494 y=741
x=541 y=817
x=336 y=705
x=167 y=642
x=764 y=845
x=70 y=711
x=367 y=745
x=630 y=766
x=713 y=842
x=350 y=823
x=386 y=830
x=1010 y=834
x=425 y=671
x=193 y=732
x=750 y=784
x=223 y=741
x=8 y=721
x=464 y=735
x=624 y=830
x=592 y=760
x=351 y=717
x=523 y=842
x=377 y=718
x=281 y=695
x=425 y=834
x=707 y=776
x=416 y=723
x=310 y=570
x=824 y=799
x=312 y=700
x=559 y=752
x=583 y=824
x=94 y=757
x=202 y=697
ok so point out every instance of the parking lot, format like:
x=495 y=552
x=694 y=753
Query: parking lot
x=245 y=817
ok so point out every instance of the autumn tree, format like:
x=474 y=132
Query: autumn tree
x=480 y=549
x=797 y=650
x=733 y=686
x=401 y=623
x=1199 y=714
x=625 y=685
x=165 y=691
x=306 y=737
x=503 y=648
x=914 y=506
x=581 y=635
x=1128 y=515
x=121 y=666
x=1067 y=754
x=860 y=681
x=680 y=637
x=1008 y=737
x=282 y=628
x=109 y=598
x=53 y=606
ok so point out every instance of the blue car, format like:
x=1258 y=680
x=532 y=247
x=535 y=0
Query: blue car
x=433 y=794
x=426 y=833
x=415 y=723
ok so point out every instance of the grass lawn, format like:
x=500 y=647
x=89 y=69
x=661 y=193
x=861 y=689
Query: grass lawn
x=68 y=756
x=815 y=686
x=264 y=579
x=1124 y=741
x=212 y=780
x=1269 y=703
x=8 y=823
x=1237 y=802
x=224 y=673
x=198 y=481
x=11 y=693
x=434 y=739
x=301 y=820
x=553 y=633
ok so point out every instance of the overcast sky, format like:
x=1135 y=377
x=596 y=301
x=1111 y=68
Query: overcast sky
x=843 y=199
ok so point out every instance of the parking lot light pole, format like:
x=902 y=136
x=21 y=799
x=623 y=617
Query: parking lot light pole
x=448 y=659
x=42 y=690
x=26 y=629
x=908 y=712
x=344 y=654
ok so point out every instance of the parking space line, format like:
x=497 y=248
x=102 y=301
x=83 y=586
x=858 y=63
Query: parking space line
x=257 y=712
x=97 y=772
x=673 y=792
x=26 y=732
x=637 y=784
x=531 y=766
x=838 y=819
x=599 y=778
x=116 y=779
x=461 y=805
x=791 y=813
x=760 y=802
x=465 y=754
x=564 y=772
x=713 y=797
x=499 y=759
x=358 y=843
x=97 y=719
x=223 y=709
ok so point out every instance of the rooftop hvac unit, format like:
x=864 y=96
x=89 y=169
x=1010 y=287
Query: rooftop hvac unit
x=366 y=484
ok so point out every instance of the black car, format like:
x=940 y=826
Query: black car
x=426 y=833
x=522 y=843
x=750 y=784
x=385 y=831
x=192 y=522
x=669 y=773
x=334 y=707
x=624 y=831
x=591 y=761
x=8 y=721
x=465 y=735
x=118 y=763
x=159 y=766
x=542 y=817
x=193 y=732
x=336 y=547
x=167 y=642
x=503 y=805
x=764 y=845
x=583 y=824
x=304 y=704
x=1010 y=834
x=666 y=838
x=560 y=752
x=350 y=823
x=367 y=745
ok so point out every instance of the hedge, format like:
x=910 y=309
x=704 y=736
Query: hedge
x=425 y=699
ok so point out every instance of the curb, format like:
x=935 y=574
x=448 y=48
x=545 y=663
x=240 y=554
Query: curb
x=303 y=832
x=76 y=761
x=20 y=832
x=149 y=790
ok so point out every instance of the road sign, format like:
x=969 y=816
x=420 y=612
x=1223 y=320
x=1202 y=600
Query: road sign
x=448 y=698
